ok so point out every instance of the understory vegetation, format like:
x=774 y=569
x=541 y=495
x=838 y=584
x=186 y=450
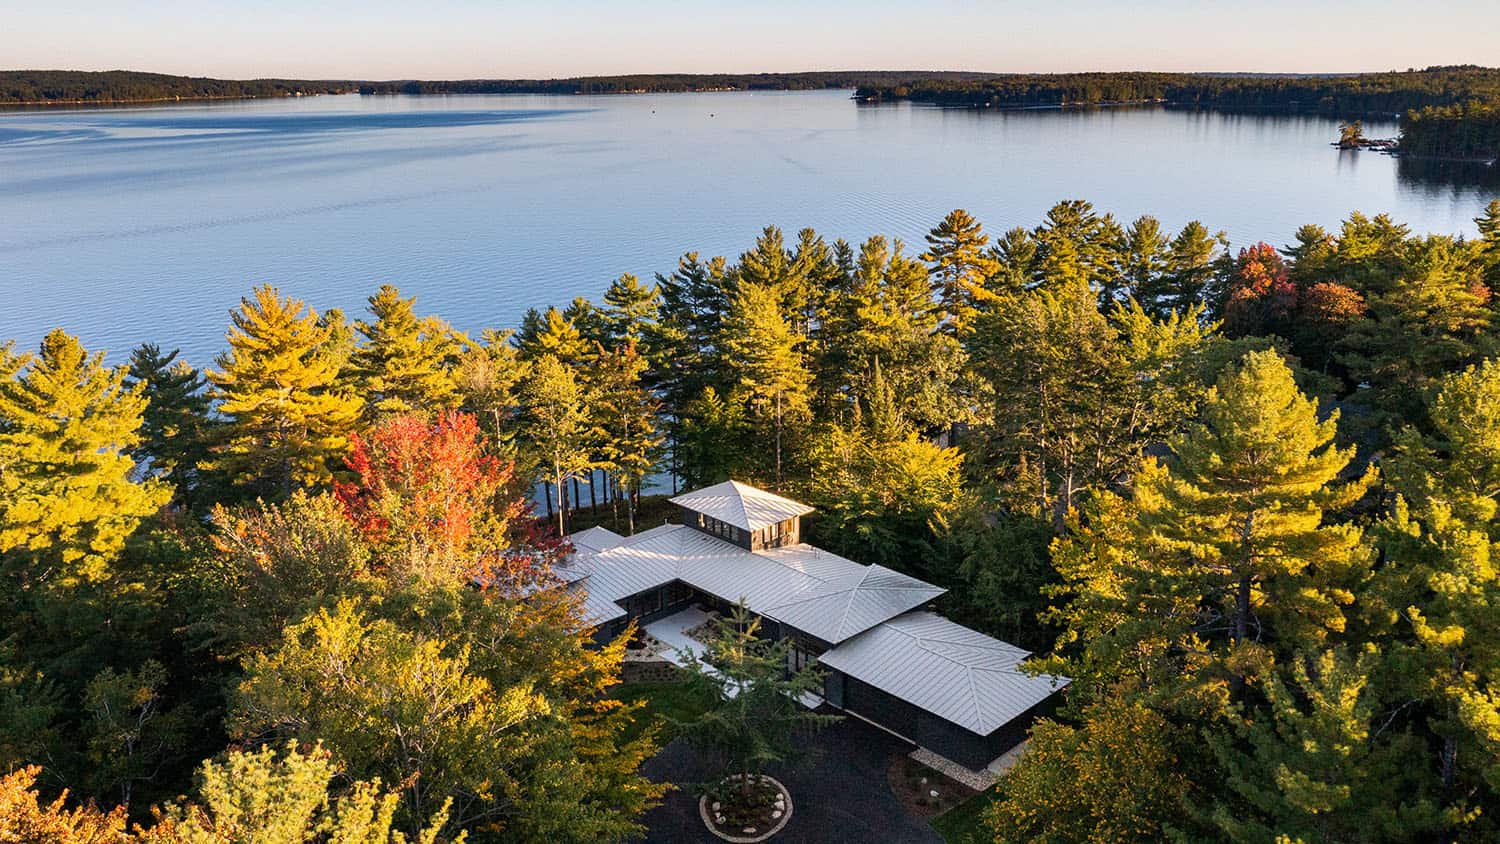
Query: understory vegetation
x=1243 y=495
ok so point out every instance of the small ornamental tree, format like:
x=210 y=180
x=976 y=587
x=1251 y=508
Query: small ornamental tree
x=756 y=717
x=428 y=496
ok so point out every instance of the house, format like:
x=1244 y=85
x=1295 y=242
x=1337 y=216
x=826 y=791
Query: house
x=885 y=655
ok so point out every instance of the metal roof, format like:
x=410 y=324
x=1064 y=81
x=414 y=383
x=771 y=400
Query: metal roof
x=586 y=543
x=845 y=606
x=818 y=593
x=741 y=505
x=958 y=674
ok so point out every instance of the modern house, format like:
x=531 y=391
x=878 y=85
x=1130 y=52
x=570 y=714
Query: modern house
x=886 y=656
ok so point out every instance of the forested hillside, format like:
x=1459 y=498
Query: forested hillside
x=59 y=86
x=1242 y=494
x=1469 y=130
x=1341 y=95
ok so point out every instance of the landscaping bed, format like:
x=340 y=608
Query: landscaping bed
x=924 y=791
x=733 y=815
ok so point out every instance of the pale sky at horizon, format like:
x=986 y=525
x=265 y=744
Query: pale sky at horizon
x=451 y=39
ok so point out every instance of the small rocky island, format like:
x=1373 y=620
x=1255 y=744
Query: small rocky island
x=1352 y=136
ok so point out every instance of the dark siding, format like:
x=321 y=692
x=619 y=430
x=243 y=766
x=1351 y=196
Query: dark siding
x=939 y=735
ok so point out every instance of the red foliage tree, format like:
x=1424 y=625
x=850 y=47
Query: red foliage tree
x=428 y=498
x=1261 y=297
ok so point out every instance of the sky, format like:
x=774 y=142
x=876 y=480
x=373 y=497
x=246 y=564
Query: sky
x=450 y=39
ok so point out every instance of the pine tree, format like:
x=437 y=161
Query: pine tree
x=176 y=426
x=716 y=441
x=1441 y=580
x=1143 y=260
x=1431 y=317
x=960 y=267
x=1309 y=766
x=879 y=485
x=626 y=415
x=1222 y=561
x=290 y=797
x=766 y=357
x=550 y=333
x=630 y=311
x=1076 y=245
x=287 y=418
x=1244 y=495
x=403 y=365
x=558 y=423
x=1074 y=396
x=888 y=316
x=756 y=717
x=774 y=267
x=1016 y=257
x=1194 y=258
x=67 y=498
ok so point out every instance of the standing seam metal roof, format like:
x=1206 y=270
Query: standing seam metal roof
x=811 y=590
x=958 y=674
x=741 y=505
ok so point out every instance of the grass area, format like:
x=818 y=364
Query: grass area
x=663 y=700
x=964 y=823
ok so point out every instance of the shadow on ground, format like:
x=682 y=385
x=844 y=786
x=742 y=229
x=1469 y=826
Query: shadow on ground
x=840 y=794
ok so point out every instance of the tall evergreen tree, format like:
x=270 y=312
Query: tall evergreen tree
x=765 y=355
x=1223 y=560
x=1441 y=583
x=175 y=426
x=68 y=500
x=1074 y=396
x=960 y=266
x=630 y=311
x=626 y=416
x=558 y=423
x=1143 y=259
x=403 y=365
x=1194 y=258
x=1310 y=768
x=288 y=419
x=550 y=333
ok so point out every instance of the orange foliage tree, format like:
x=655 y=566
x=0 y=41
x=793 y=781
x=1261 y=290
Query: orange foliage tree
x=24 y=818
x=1261 y=297
x=429 y=499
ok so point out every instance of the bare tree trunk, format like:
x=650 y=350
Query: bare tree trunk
x=778 y=440
x=547 y=494
x=593 y=499
x=562 y=528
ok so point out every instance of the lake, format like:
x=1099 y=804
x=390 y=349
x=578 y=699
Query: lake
x=126 y=225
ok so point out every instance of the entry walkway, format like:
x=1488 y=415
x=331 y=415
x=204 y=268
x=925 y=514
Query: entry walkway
x=672 y=632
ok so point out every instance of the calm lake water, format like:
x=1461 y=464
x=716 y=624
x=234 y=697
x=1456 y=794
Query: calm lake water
x=128 y=225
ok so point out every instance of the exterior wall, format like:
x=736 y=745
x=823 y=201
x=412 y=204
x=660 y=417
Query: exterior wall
x=783 y=533
x=927 y=730
x=715 y=528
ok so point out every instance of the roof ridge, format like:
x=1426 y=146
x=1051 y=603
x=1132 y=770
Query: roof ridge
x=739 y=499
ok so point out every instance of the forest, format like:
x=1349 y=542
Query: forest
x=1339 y=95
x=124 y=86
x=1244 y=495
